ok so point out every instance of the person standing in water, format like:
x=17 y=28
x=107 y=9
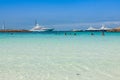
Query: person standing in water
x=103 y=33
x=92 y=34
x=65 y=33
x=74 y=33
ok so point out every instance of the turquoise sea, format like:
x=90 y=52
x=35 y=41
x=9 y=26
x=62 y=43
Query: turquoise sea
x=56 y=56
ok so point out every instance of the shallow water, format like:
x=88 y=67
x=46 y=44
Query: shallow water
x=56 y=56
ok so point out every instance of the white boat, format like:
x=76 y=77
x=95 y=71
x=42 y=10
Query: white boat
x=104 y=28
x=76 y=30
x=39 y=28
x=92 y=29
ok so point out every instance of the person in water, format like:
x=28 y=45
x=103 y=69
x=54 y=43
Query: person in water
x=65 y=33
x=103 y=33
x=74 y=33
x=92 y=34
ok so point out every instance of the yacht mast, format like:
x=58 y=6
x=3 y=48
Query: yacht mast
x=36 y=23
x=3 y=26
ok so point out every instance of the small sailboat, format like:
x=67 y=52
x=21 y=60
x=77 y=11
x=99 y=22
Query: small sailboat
x=39 y=28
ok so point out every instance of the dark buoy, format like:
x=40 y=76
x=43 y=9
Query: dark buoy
x=78 y=74
x=11 y=33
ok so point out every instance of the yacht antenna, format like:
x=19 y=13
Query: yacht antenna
x=3 y=27
x=36 y=22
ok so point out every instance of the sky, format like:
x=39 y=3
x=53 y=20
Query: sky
x=60 y=14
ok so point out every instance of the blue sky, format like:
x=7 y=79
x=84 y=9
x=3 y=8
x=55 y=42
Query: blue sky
x=53 y=12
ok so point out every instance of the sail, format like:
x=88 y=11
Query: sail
x=104 y=28
x=3 y=26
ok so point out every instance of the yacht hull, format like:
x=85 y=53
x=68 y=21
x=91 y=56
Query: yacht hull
x=42 y=30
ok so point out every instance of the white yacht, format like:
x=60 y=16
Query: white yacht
x=92 y=29
x=39 y=28
x=104 y=28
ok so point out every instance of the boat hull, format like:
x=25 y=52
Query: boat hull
x=42 y=30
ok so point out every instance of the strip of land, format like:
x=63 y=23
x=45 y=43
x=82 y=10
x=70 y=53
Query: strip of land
x=14 y=31
x=11 y=30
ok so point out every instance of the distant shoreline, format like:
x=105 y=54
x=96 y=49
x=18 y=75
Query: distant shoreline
x=112 y=30
x=14 y=31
